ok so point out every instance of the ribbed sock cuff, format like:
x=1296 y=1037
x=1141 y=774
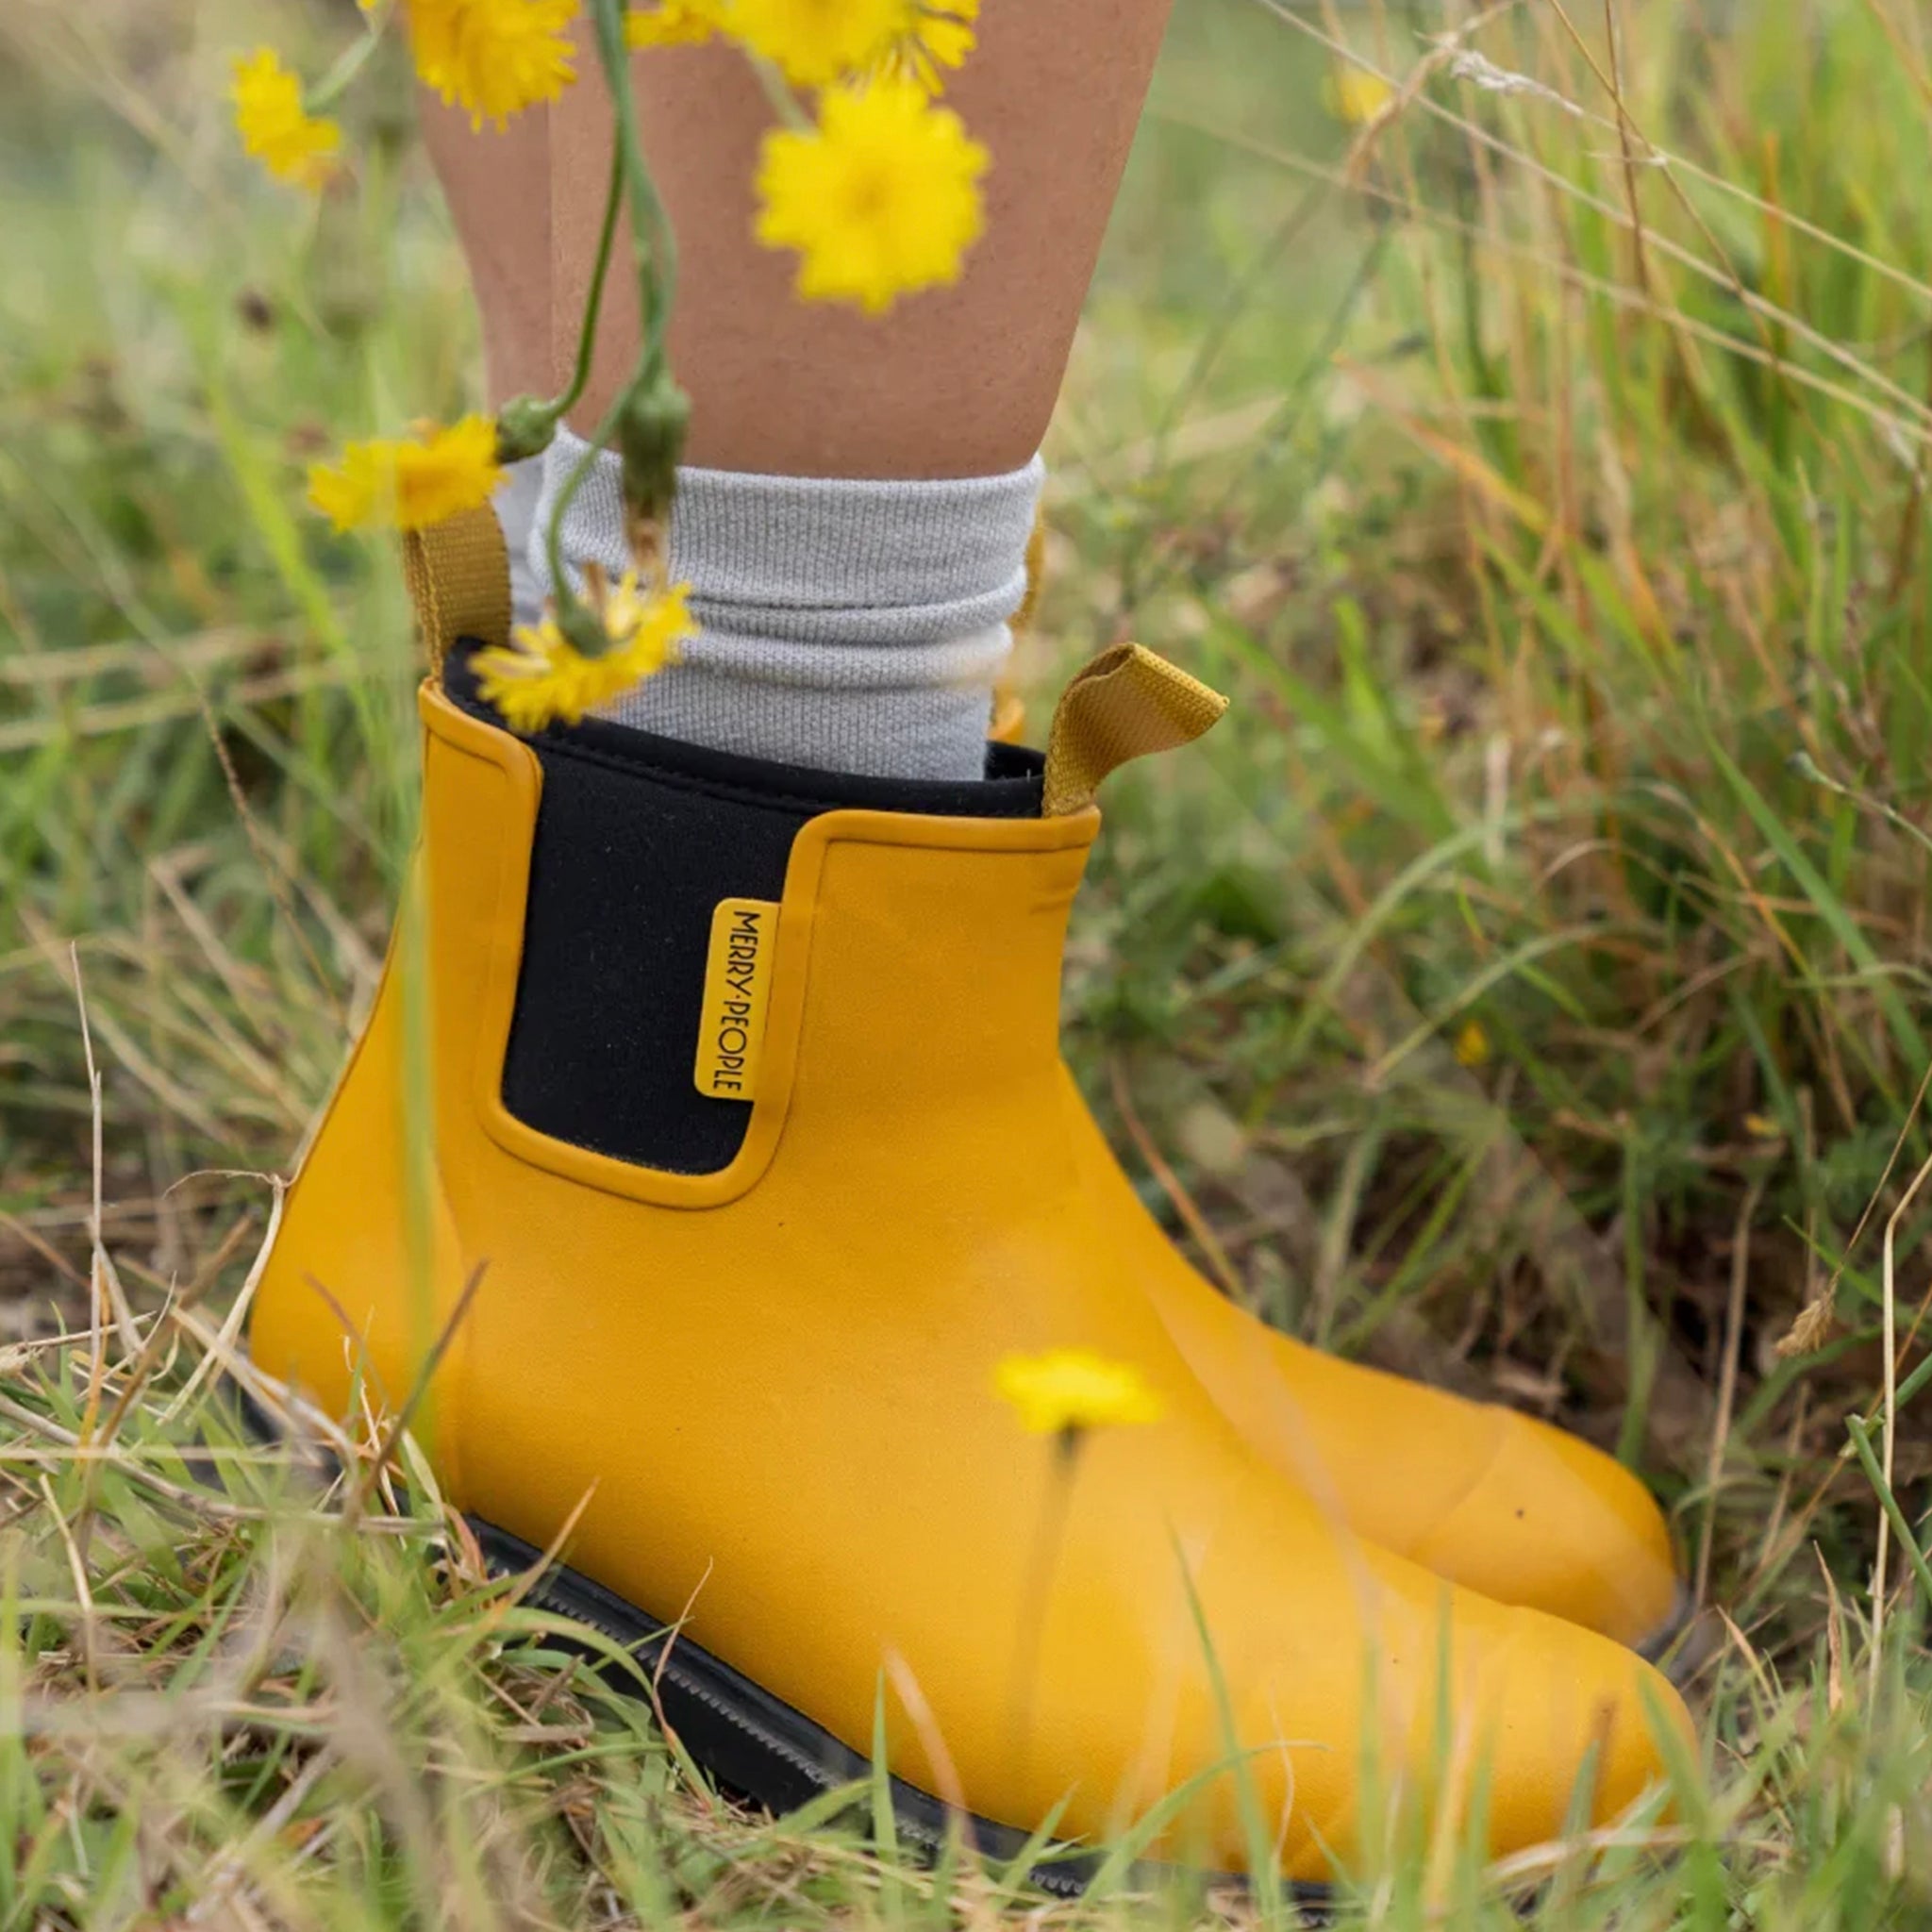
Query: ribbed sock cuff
x=847 y=623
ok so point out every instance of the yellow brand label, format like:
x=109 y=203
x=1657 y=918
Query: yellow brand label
x=737 y=983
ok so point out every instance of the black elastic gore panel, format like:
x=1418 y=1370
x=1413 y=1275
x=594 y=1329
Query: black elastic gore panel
x=638 y=838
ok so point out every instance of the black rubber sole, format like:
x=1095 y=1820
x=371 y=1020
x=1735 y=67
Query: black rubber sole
x=1654 y=1646
x=753 y=1744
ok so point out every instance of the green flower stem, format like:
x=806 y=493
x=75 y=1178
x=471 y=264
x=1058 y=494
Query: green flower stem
x=655 y=248
x=526 y=424
x=583 y=631
x=652 y=241
x=587 y=335
x=1887 y=1501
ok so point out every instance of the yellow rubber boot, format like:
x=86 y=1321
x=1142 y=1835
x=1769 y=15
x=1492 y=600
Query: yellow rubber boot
x=729 y=1220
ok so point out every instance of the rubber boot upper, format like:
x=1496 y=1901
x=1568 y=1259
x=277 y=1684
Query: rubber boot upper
x=764 y=1395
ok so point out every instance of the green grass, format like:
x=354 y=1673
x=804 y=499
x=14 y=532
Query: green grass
x=1527 y=986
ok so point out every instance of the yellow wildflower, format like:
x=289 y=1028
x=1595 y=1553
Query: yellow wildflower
x=1067 y=1389
x=274 y=127
x=814 y=43
x=940 y=35
x=672 y=23
x=493 y=57
x=880 y=199
x=410 y=485
x=541 y=676
x=1472 y=1044
x=1356 y=96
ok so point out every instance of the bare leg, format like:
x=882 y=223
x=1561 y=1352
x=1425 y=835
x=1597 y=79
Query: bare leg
x=958 y=382
x=885 y=660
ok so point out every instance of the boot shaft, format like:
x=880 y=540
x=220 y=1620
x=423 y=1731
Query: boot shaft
x=905 y=939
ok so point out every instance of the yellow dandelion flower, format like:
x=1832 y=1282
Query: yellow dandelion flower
x=1472 y=1044
x=1356 y=96
x=413 y=484
x=672 y=23
x=493 y=57
x=274 y=127
x=1067 y=1389
x=814 y=43
x=541 y=676
x=937 y=39
x=881 y=199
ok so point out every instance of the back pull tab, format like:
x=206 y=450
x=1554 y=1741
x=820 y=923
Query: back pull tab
x=458 y=576
x=1122 y=706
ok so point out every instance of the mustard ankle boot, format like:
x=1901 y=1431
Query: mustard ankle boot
x=710 y=1171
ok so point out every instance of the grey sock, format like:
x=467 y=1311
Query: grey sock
x=515 y=504
x=850 y=625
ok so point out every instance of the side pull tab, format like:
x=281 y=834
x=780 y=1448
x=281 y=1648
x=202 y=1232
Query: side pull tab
x=1122 y=706
x=458 y=576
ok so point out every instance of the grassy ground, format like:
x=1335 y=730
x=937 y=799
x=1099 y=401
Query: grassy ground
x=1527 y=988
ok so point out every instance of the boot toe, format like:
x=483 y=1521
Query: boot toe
x=1576 y=1724
x=1538 y=1728
x=1551 y=1522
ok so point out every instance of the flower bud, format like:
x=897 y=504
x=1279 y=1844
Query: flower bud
x=650 y=438
x=525 y=426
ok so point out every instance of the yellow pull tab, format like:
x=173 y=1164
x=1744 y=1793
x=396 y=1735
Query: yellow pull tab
x=1125 y=703
x=738 y=985
x=457 y=575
